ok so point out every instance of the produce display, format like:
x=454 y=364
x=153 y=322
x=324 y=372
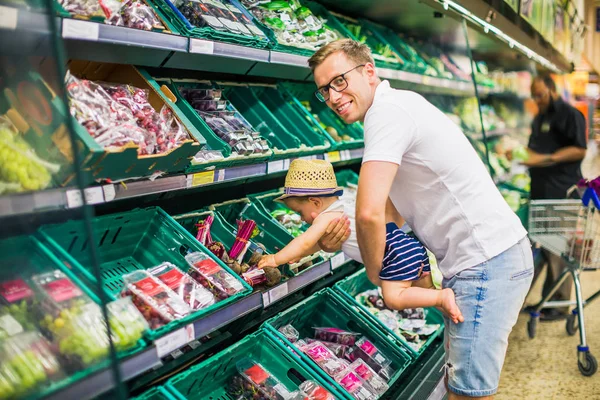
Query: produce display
x=130 y=13
x=289 y=219
x=332 y=131
x=225 y=122
x=350 y=358
x=212 y=276
x=116 y=115
x=220 y=15
x=409 y=323
x=21 y=168
x=380 y=50
x=292 y=23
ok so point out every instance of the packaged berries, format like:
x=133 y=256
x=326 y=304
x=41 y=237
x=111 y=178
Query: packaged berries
x=212 y=276
x=194 y=295
x=336 y=335
x=158 y=304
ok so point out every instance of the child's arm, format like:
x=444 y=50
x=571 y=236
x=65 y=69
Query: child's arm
x=392 y=214
x=305 y=244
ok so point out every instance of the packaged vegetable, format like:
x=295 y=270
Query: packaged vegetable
x=126 y=322
x=336 y=335
x=158 y=304
x=354 y=385
x=324 y=358
x=366 y=350
x=194 y=295
x=199 y=15
x=338 y=349
x=290 y=333
x=368 y=375
x=313 y=391
x=266 y=383
x=130 y=13
x=212 y=276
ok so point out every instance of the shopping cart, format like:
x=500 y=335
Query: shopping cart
x=570 y=229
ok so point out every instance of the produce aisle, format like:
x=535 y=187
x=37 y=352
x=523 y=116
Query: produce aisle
x=142 y=145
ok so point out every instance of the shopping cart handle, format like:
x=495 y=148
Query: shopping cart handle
x=590 y=194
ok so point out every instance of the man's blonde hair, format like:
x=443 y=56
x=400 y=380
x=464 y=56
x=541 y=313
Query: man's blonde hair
x=355 y=51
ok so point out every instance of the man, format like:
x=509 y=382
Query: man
x=421 y=160
x=557 y=146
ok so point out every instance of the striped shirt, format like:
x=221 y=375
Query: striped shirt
x=405 y=257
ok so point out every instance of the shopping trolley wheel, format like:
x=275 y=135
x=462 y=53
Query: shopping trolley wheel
x=589 y=366
x=572 y=324
x=531 y=327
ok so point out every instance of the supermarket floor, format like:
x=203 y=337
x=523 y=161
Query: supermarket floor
x=546 y=367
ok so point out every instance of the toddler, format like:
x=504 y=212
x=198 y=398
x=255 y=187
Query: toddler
x=311 y=189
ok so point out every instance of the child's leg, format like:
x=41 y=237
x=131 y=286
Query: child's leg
x=399 y=295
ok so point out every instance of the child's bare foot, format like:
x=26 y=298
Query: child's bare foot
x=448 y=306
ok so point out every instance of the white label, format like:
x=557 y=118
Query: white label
x=308 y=158
x=199 y=46
x=337 y=260
x=275 y=166
x=94 y=195
x=10 y=325
x=177 y=353
x=194 y=344
x=174 y=340
x=278 y=292
x=8 y=17
x=74 y=198
x=109 y=192
x=345 y=154
x=76 y=29
x=220 y=175
x=266 y=299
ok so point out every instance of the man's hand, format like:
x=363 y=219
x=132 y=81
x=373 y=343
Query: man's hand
x=338 y=231
x=537 y=160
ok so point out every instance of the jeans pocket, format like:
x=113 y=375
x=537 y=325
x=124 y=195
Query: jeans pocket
x=522 y=274
x=474 y=273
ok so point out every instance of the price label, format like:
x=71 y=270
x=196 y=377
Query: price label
x=266 y=299
x=337 y=260
x=109 y=192
x=333 y=156
x=346 y=155
x=308 y=158
x=174 y=340
x=199 y=46
x=93 y=195
x=8 y=17
x=76 y=29
x=275 y=166
x=176 y=354
x=203 y=178
x=278 y=292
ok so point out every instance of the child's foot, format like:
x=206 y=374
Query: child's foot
x=448 y=305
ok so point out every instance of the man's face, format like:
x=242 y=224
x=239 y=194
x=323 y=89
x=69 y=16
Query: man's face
x=353 y=102
x=541 y=95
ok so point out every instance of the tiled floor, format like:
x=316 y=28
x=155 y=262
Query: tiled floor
x=546 y=367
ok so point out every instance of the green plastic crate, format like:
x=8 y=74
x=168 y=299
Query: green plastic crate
x=303 y=95
x=156 y=393
x=266 y=204
x=173 y=16
x=30 y=256
x=328 y=309
x=272 y=235
x=293 y=119
x=358 y=283
x=210 y=379
x=213 y=141
x=346 y=177
x=138 y=239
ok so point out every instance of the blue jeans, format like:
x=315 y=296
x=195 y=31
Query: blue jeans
x=490 y=296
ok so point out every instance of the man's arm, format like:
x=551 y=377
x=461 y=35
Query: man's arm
x=392 y=214
x=566 y=154
x=374 y=184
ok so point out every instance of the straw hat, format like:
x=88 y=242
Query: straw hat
x=310 y=178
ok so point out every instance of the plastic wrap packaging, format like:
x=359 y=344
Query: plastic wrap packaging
x=325 y=358
x=336 y=335
x=194 y=295
x=339 y=350
x=313 y=391
x=158 y=304
x=130 y=13
x=290 y=333
x=355 y=386
x=199 y=14
x=377 y=383
x=366 y=350
x=18 y=300
x=266 y=383
x=26 y=363
x=84 y=8
x=127 y=324
x=212 y=276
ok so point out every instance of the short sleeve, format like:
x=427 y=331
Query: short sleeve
x=389 y=133
x=576 y=129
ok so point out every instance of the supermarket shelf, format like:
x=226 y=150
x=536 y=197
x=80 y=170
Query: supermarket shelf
x=33 y=30
x=426 y=84
x=68 y=198
x=101 y=382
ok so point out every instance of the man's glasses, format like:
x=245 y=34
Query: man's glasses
x=339 y=83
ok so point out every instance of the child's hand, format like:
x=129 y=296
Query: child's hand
x=267 y=261
x=449 y=307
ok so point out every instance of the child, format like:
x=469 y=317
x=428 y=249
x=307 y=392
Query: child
x=311 y=189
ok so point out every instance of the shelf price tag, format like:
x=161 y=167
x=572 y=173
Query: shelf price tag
x=174 y=340
x=200 y=46
x=337 y=260
x=275 y=166
x=8 y=17
x=109 y=192
x=93 y=195
x=77 y=29
x=266 y=299
x=333 y=156
x=345 y=155
x=278 y=292
x=203 y=178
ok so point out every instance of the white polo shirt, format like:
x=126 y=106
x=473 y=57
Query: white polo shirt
x=442 y=188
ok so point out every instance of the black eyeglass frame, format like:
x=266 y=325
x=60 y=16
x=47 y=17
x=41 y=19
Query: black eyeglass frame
x=321 y=97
